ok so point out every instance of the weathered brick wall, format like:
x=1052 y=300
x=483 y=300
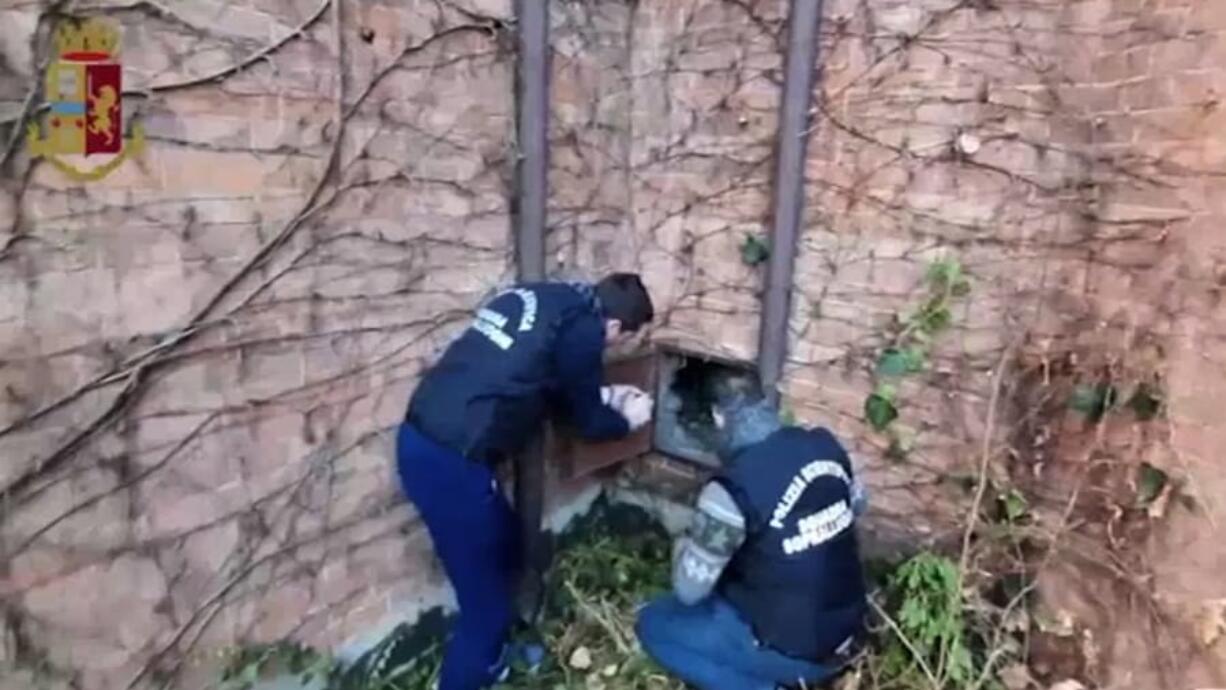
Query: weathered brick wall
x=663 y=126
x=234 y=323
x=590 y=137
x=708 y=78
x=938 y=136
x=204 y=353
x=1151 y=78
x=1063 y=153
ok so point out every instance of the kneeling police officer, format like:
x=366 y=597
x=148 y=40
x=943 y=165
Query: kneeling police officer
x=767 y=582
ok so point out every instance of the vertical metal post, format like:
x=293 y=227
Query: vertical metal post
x=804 y=25
x=532 y=119
x=532 y=17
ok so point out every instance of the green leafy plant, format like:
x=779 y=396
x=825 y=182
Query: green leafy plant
x=879 y=408
x=605 y=571
x=1013 y=506
x=754 y=250
x=1150 y=483
x=931 y=635
x=894 y=362
x=249 y=664
x=946 y=275
x=1146 y=401
x=908 y=351
x=610 y=565
x=1094 y=400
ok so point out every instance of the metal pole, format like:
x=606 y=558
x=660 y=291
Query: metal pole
x=804 y=25
x=532 y=18
x=532 y=99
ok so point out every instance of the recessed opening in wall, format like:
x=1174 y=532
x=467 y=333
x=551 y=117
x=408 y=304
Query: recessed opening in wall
x=576 y=458
x=688 y=385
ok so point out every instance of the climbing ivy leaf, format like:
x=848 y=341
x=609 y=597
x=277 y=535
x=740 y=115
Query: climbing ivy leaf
x=1085 y=398
x=886 y=391
x=1093 y=400
x=1150 y=484
x=915 y=356
x=892 y=363
x=250 y=675
x=944 y=271
x=934 y=318
x=1014 y=505
x=879 y=409
x=946 y=275
x=754 y=250
x=897 y=362
x=1145 y=402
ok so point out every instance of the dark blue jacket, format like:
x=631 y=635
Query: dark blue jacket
x=533 y=348
x=797 y=577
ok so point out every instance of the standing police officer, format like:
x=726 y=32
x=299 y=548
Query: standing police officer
x=532 y=348
x=767 y=583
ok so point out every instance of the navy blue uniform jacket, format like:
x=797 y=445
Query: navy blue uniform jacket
x=534 y=348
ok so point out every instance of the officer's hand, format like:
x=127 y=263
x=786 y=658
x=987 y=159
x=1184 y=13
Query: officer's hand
x=637 y=409
x=616 y=395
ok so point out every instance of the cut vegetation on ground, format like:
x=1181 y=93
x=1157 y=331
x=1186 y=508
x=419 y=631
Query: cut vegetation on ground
x=928 y=635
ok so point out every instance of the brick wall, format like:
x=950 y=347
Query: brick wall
x=218 y=343
x=1062 y=151
x=203 y=354
x=708 y=83
x=944 y=132
x=1161 y=282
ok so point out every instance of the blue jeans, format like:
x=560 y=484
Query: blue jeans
x=475 y=536
x=710 y=646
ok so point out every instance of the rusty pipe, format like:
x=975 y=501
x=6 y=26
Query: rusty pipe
x=804 y=28
x=532 y=166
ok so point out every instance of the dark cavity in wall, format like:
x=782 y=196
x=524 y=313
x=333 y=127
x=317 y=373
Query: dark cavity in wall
x=689 y=384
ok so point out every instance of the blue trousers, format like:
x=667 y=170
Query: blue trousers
x=475 y=536
x=711 y=647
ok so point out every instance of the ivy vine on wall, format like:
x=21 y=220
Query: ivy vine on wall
x=910 y=348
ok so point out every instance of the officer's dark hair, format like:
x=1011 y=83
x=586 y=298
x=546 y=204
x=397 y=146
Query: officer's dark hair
x=624 y=298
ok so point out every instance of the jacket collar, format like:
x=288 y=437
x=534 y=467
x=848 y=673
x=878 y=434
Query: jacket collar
x=588 y=292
